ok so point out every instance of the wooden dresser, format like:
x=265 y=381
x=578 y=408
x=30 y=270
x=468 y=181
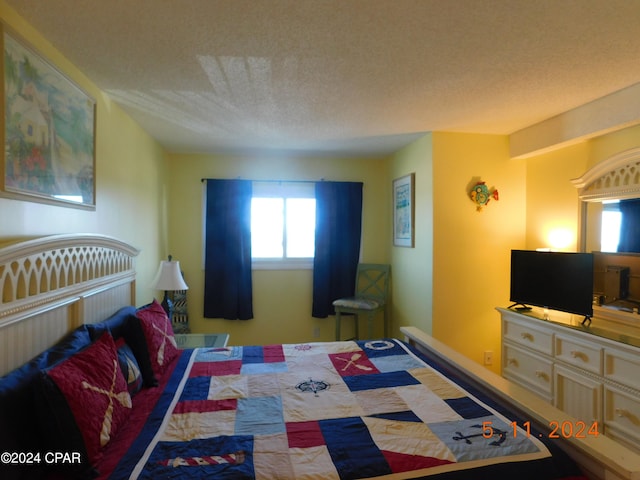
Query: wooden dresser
x=590 y=372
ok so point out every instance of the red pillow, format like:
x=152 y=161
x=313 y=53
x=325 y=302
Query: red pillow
x=96 y=393
x=159 y=336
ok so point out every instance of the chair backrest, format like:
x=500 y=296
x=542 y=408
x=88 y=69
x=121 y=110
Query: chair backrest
x=372 y=281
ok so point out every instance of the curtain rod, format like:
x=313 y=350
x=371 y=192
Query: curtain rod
x=266 y=181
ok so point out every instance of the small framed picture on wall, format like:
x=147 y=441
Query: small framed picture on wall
x=404 y=211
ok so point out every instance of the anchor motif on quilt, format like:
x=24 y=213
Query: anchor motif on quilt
x=313 y=386
x=496 y=431
x=123 y=398
x=229 y=458
x=165 y=337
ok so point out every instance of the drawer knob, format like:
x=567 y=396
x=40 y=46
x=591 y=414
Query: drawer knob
x=512 y=361
x=577 y=354
x=540 y=374
x=527 y=336
x=621 y=412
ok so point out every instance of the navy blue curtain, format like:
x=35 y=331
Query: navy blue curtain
x=338 y=234
x=227 y=277
x=630 y=227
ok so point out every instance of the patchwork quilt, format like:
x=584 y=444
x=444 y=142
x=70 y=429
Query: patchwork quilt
x=338 y=410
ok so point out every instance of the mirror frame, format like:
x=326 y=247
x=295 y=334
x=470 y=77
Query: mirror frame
x=616 y=177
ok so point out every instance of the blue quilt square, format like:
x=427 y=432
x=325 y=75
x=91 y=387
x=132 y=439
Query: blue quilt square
x=257 y=368
x=393 y=363
x=353 y=451
x=196 y=388
x=222 y=458
x=481 y=438
x=467 y=407
x=252 y=355
x=406 y=416
x=379 y=380
x=259 y=416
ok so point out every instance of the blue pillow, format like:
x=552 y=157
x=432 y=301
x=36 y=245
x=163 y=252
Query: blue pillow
x=116 y=324
x=129 y=366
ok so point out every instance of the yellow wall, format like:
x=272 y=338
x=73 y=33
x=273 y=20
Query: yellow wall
x=130 y=173
x=471 y=266
x=282 y=299
x=412 y=268
x=552 y=200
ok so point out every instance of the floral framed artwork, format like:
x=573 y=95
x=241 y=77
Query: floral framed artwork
x=49 y=133
x=404 y=211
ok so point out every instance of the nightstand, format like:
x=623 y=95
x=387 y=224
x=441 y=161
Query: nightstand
x=195 y=340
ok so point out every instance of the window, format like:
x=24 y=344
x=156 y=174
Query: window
x=610 y=229
x=283 y=220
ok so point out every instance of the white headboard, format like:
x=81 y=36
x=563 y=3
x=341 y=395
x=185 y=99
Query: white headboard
x=51 y=285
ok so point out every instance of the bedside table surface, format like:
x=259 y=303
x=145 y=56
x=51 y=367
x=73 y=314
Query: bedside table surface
x=195 y=340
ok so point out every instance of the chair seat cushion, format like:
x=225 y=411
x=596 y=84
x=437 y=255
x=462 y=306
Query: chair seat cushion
x=357 y=302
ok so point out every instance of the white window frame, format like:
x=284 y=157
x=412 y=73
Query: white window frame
x=290 y=189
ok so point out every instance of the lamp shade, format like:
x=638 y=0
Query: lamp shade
x=169 y=277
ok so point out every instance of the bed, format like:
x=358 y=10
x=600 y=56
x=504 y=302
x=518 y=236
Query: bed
x=103 y=392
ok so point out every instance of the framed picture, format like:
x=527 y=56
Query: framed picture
x=49 y=132
x=404 y=211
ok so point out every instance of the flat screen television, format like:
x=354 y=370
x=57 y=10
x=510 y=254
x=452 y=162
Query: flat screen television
x=554 y=280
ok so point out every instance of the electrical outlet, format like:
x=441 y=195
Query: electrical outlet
x=316 y=332
x=488 y=357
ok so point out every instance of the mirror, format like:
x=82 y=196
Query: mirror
x=603 y=226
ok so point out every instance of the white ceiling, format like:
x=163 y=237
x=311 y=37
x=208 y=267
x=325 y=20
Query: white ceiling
x=342 y=76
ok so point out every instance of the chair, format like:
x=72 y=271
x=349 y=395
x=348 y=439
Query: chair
x=371 y=292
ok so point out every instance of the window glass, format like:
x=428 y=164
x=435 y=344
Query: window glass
x=610 y=229
x=267 y=223
x=301 y=226
x=283 y=222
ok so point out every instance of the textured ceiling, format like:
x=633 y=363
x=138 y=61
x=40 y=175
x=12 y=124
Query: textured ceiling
x=342 y=76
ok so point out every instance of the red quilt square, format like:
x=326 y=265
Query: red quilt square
x=352 y=363
x=211 y=369
x=304 y=434
x=273 y=353
x=401 y=462
x=199 y=406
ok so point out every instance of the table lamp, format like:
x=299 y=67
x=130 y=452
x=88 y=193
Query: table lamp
x=169 y=278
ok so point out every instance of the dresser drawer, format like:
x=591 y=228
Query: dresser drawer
x=578 y=394
x=527 y=369
x=622 y=415
x=622 y=367
x=582 y=354
x=537 y=339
